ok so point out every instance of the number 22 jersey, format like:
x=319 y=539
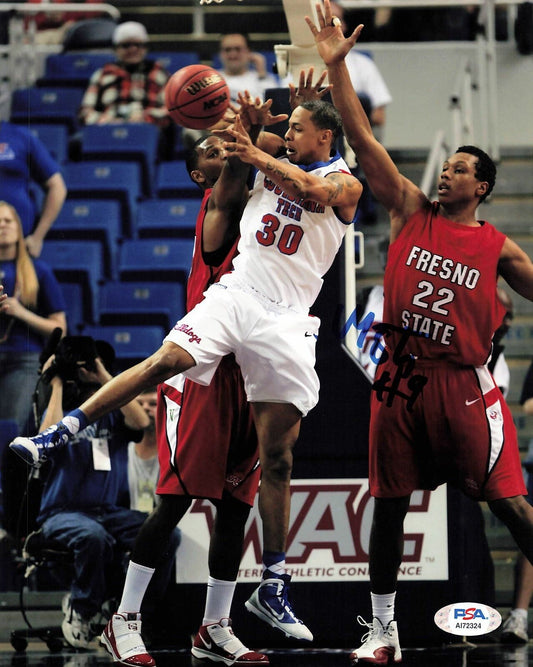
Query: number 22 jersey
x=440 y=283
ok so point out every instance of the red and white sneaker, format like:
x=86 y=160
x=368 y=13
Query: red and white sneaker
x=217 y=642
x=379 y=645
x=122 y=638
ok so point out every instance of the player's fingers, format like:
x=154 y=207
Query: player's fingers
x=310 y=75
x=321 y=79
x=312 y=26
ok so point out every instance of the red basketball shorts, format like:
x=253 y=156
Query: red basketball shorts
x=458 y=429
x=206 y=437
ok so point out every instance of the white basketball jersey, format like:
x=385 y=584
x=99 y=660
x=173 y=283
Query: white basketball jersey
x=287 y=243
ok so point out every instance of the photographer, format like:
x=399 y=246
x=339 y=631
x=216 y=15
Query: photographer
x=79 y=505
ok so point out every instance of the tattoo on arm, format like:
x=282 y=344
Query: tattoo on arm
x=274 y=167
x=339 y=182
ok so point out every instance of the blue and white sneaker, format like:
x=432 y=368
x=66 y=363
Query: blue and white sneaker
x=271 y=604
x=34 y=450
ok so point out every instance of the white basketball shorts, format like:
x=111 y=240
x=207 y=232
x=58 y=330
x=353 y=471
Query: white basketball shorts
x=273 y=345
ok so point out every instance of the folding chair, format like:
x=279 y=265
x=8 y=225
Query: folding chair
x=80 y=262
x=158 y=218
x=156 y=303
x=90 y=220
x=128 y=141
x=173 y=180
x=50 y=104
x=131 y=343
x=54 y=136
x=72 y=69
x=107 y=179
x=76 y=318
x=155 y=259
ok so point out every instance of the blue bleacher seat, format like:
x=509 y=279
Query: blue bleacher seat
x=128 y=141
x=72 y=69
x=151 y=303
x=173 y=180
x=54 y=136
x=155 y=259
x=106 y=179
x=172 y=61
x=166 y=218
x=50 y=104
x=73 y=293
x=130 y=343
x=79 y=262
x=91 y=219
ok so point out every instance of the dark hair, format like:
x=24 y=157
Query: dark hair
x=191 y=156
x=325 y=116
x=485 y=167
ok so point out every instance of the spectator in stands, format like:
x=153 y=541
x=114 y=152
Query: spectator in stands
x=374 y=96
x=242 y=68
x=33 y=308
x=143 y=463
x=79 y=505
x=25 y=160
x=129 y=90
x=366 y=79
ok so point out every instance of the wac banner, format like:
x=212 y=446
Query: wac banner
x=328 y=535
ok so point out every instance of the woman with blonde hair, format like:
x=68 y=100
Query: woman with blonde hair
x=34 y=307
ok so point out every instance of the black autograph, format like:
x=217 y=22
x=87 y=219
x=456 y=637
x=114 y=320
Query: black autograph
x=405 y=363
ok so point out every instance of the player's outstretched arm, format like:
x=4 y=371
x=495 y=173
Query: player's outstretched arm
x=397 y=194
x=517 y=269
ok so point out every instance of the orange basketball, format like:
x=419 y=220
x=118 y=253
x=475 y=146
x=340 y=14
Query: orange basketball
x=196 y=96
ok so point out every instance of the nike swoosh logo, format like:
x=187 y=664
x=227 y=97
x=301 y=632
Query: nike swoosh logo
x=274 y=613
x=471 y=402
x=206 y=644
x=308 y=335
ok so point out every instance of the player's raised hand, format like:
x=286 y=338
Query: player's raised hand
x=306 y=91
x=240 y=144
x=256 y=113
x=332 y=45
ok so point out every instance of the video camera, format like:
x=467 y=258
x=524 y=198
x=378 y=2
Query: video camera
x=71 y=353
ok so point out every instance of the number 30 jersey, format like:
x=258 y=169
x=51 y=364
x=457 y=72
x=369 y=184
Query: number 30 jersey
x=440 y=284
x=287 y=243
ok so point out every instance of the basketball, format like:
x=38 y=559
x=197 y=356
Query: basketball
x=196 y=97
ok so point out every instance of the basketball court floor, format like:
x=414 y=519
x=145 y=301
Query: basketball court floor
x=481 y=655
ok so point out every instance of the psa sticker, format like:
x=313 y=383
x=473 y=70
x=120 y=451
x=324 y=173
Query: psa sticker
x=467 y=619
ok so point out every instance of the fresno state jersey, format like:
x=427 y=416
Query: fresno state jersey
x=203 y=275
x=287 y=244
x=439 y=286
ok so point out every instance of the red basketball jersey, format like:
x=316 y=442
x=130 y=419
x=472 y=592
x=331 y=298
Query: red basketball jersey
x=202 y=275
x=440 y=283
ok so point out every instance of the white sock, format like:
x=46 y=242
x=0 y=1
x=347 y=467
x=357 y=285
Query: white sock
x=383 y=607
x=137 y=579
x=520 y=613
x=276 y=568
x=218 y=600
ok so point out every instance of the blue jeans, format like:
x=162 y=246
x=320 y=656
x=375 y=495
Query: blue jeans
x=18 y=377
x=98 y=540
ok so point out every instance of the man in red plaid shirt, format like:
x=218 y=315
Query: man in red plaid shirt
x=129 y=90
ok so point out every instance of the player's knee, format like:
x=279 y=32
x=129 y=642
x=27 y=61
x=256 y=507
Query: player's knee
x=276 y=464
